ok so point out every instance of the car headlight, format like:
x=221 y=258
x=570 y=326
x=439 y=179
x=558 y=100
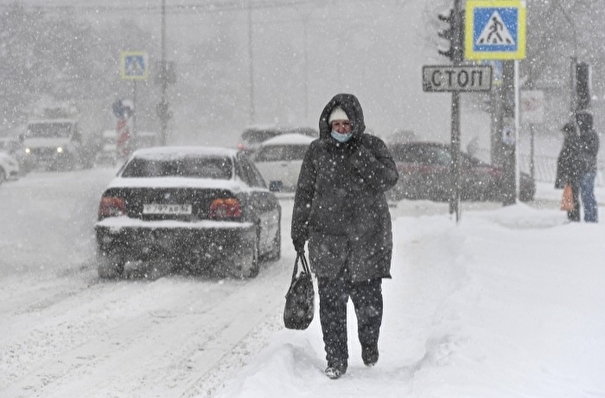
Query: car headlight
x=59 y=150
x=27 y=150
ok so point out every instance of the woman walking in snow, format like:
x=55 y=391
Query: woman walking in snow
x=340 y=208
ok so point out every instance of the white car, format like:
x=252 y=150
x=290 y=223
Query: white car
x=9 y=167
x=254 y=136
x=280 y=159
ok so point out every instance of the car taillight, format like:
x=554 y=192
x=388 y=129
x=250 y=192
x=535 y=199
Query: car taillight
x=225 y=208
x=111 y=207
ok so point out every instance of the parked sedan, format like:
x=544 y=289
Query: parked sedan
x=252 y=137
x=202 y=206
x=424 y=173
x=280 y=158
x=9 y=167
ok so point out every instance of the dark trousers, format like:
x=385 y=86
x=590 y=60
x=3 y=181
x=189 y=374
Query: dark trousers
x=333 y=297
x=574 y=215
x=591 y=208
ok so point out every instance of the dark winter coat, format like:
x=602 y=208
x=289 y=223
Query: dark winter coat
x=589 y=143
x=340 y=205
x=569 y=168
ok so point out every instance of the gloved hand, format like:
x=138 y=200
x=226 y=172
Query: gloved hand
x=299 y=245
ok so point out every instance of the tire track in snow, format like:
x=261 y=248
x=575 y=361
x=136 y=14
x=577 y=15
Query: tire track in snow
x=168 y=348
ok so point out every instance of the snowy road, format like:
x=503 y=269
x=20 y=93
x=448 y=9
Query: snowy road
x=66 y=333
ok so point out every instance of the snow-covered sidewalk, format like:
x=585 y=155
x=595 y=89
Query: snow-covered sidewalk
x=508 y=303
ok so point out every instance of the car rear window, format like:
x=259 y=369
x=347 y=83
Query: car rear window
x=49 y=130
x=220 y=168
x=276 y=153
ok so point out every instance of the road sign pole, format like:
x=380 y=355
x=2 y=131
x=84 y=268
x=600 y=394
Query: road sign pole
x=455 y=144
x=164 y=82
x=457 y=59
x=133 y=132
x=508 y=135
x=517 y=127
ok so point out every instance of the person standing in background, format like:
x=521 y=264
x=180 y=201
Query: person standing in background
x=568 y=167
x=587 y=155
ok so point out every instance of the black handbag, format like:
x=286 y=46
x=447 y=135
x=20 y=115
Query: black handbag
x=299 y=308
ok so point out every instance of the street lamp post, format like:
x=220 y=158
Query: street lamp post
x=163 y=105
x=251 y=65
x=573 y=60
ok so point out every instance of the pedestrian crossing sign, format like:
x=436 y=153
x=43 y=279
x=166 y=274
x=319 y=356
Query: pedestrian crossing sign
x=495 y=29
x=134 y=65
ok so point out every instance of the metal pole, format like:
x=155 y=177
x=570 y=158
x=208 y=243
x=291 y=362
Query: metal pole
x=532 y=152
x=573 y=60
x=251 y=64
x=306 y=67
x=455 y=205
x=517 y=127
x=509 y=133
x=133 y=133
x=164 y=80
x=455 y=138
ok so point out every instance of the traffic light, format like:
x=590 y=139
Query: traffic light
x=447 y=34
x=454 y=34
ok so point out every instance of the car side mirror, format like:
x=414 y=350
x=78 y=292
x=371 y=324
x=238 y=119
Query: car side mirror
x=275 y=186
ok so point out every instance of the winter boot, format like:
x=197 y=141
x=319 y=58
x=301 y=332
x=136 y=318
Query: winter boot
x=335 y=370
x=369 y=354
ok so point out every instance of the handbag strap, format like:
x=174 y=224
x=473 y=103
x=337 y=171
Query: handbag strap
x=304 y=263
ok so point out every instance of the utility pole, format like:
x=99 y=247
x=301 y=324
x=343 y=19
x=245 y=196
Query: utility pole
x=162 y=108
x=455 y=35
x=251 y=65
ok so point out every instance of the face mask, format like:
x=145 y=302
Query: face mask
x=342 y=138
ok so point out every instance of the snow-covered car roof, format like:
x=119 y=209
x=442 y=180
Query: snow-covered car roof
x=170 y=152
x=289 y=139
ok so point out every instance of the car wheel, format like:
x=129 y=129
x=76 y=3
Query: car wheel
x=109 y=266
x=275 y=253
x=247 y=265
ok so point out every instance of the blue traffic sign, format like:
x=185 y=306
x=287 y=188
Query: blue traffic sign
x=134 y=65
x=495 y=30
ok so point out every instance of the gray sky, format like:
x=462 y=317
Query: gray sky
x=373 y=49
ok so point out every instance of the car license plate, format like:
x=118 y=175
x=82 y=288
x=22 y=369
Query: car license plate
x=156 y=208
